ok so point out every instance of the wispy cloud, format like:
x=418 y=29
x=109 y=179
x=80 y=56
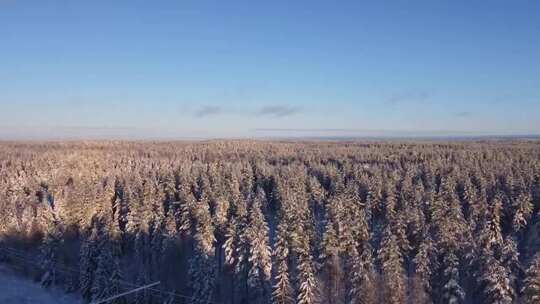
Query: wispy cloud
x=278 y=110
x=269 y=110
x=209 y=111
x=464 y=114
x=511 y=97
x=407 y=97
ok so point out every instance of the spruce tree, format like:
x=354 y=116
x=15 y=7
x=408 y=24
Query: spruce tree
x=391 y=261
x=260 y=256
x=282 y=291
x=202 y=265
x=108 y=275
x=531 y=283
x=50 y=250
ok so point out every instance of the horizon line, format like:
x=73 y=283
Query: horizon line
x=80 y=132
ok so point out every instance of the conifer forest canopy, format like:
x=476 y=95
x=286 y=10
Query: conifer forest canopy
x=251 y=221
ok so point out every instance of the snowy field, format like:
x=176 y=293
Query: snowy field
x=15 y=289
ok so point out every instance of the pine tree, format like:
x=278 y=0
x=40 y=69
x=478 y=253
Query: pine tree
x=391 y=262
x=498 y=288
x=524 y=207
x=88 y=262
x=157 y=243
x=235 y=245
x=283 y=291
x=108 y=275
x=452 y=292
x=492 y=234
x=367 y=280
x=362 y=277
x=260 y=256
x=329 y=258
x=202 y=264
x=50 y=248
x=422 y=289
x=307 y=293
x=231 y=240
x=510 y=261
x=531 y=283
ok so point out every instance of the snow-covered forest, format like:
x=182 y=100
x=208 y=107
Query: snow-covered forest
x=275 y=222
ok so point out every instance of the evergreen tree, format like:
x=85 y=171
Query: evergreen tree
x=391 y=262
x=108 y=276
x=202 y=264
x=523 y=209
x=452 y=292
x=307 y=293
x=531 y=283
x=329 y=258
x=50 y=248
x=497 y=285
x=283 y=291
x=88 y=262
x=260 y=256
x=422 y=289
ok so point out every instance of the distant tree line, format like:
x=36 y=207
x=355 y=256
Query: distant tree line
x=277 y=222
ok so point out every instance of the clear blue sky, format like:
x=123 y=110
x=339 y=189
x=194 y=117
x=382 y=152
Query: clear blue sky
x=257 y=68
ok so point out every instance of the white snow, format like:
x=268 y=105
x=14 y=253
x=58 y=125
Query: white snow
x=15 y=289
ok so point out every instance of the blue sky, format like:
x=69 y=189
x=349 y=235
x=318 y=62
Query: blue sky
x=176 y=69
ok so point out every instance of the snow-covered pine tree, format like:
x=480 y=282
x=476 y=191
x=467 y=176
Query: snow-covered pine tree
x=282 y=291
x=365 y=280
x=220 y=220
x=492 y=235
x=356 y=250
x=157 y=243
x=391 y=261
x=260 y=256
x=143 y=257
x=374 y=198
x=510 y=261
x=451 y=291
x=422 y=290
x=471 y=203
x=330 y=262
x=185 y=207
x=450 y=232
x=202 y=264
x=246 y=180
x=355 y=275
x=88 y=259
x=316 y=205
x=497 y=284
x=235 y=249
x=231 y=240
x=531 y=283
x=50 y=247
x=242 y=248
x=137 y=198
x=523 y=207
x=108 y=275
x=124 y=198
x=308 y=290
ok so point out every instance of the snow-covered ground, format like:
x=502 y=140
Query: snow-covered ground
x=15 y=289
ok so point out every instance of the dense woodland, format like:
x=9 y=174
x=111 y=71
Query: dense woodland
x=276 y=222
